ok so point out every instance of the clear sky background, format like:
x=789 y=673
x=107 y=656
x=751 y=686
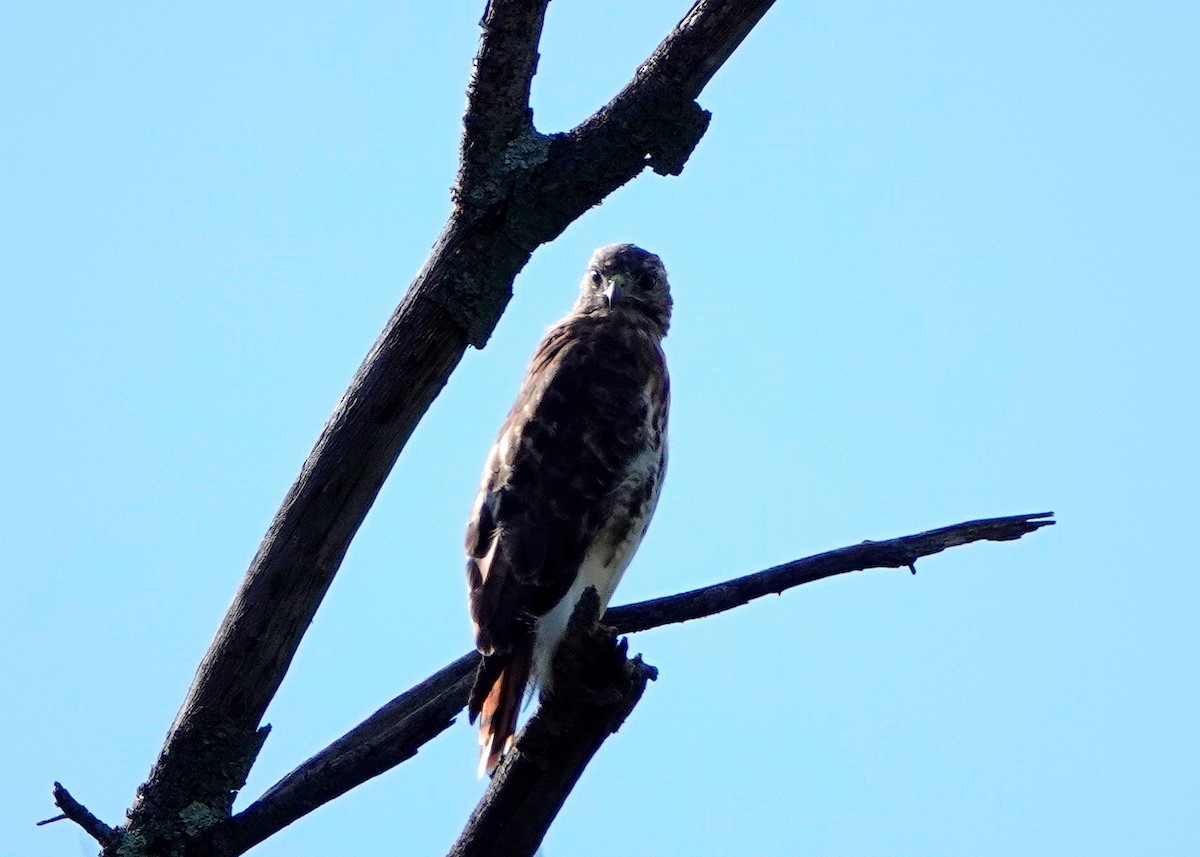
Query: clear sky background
x=932 y=262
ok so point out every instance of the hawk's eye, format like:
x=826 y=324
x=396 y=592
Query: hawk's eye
x=594 y=277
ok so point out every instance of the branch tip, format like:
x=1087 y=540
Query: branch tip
x=79 y=814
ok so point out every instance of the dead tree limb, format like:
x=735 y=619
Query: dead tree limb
x=78 y=813
x=395 y=732
x=392 y=735
x=516 y=190
x=893 y=553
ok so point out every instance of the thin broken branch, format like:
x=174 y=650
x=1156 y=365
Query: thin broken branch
x=395 y=732
x=79 y=814
x=681 y=66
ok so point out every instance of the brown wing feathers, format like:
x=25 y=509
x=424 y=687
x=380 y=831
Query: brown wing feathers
x=513 y=547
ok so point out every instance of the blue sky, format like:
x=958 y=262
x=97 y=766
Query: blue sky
x=932 y=262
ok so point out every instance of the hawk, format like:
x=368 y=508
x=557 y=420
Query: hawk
x=570 y=484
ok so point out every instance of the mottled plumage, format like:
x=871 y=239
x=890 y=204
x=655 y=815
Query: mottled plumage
x=570 y=484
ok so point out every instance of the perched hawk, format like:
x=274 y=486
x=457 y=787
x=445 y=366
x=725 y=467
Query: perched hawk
x=570 y=484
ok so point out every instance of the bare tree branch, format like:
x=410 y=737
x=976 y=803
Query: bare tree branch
x=594 y=688
x=390 y=736
x=902 y=552
x=516 y=190
x=498 y=96
x=395 y=732
x=653 y=122
x=79 y=814
x=678 y=69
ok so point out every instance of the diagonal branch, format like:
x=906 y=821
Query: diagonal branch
x=395 y=732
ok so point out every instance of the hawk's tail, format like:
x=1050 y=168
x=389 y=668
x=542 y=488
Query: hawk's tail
x=496 y=700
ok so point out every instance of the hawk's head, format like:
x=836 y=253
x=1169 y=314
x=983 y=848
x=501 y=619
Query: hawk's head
x=624 y=278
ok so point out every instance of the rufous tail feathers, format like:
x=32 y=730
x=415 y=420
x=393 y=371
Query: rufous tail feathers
x=496 y=700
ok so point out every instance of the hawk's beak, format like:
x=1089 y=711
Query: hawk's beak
x=614 y=288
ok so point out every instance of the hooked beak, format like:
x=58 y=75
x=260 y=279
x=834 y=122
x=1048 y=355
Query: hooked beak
x=614 y=288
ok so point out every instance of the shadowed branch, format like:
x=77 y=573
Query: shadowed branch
x=78 y=813
x=391 y=735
